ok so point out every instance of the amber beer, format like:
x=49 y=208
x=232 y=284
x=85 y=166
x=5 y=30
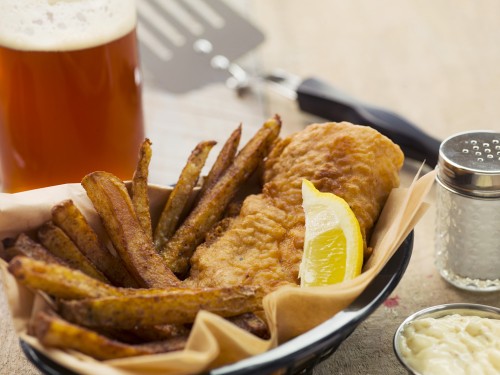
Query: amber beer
x=69 y=105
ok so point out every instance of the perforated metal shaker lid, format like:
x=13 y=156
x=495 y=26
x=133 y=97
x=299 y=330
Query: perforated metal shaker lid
x=469 y=163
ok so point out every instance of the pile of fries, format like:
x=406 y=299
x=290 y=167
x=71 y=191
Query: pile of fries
x=128 y=299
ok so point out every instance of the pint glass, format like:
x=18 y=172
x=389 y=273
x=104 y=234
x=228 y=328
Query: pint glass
x=70 y=91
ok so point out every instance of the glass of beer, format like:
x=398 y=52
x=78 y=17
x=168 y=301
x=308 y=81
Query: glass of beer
x=70 y=91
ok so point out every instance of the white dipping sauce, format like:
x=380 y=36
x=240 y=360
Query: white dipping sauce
x=453 y=344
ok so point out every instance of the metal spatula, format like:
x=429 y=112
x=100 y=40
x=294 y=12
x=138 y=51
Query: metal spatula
x=187 y=44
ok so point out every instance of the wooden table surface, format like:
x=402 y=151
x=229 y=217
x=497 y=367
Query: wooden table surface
x=436 y=62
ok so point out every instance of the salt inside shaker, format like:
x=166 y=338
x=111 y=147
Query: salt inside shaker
x=468 y=210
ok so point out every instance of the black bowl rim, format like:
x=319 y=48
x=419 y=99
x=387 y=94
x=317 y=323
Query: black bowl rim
x=309 y=346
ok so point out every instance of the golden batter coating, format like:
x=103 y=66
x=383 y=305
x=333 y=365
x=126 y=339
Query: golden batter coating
x=263 y=244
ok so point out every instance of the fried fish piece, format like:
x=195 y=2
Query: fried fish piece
x=263 y=245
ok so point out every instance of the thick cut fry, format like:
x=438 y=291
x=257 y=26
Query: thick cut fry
x=178 y=251
x=177 y=307
x=223 y=161
x=23 y=245
x=58 y=280
x=55 y=332
x=140 y=198
x=69 y=218
x=160 y=332
x=113 y=204
x=63 y=282
x=59 y=244
x=251 y=323
x=179 y=197
x=9 y=253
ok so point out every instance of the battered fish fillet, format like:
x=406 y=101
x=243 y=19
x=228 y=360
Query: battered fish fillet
x=263 y=244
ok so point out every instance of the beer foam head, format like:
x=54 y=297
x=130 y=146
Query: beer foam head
x=56 y=25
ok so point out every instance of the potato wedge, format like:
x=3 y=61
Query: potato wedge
x=113 y=204
x=223 y=161
x=59 y=244
x=140 y=198
x=53 y=331
x=57 y=280
x=69 y=218
x=178 y=307
x=251 y=323
x=24 y=245
x=179 y=197
x=178 y=250
x=160 y=332
x=63 y=282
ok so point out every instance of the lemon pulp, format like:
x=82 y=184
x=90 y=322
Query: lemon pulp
x=333 y=245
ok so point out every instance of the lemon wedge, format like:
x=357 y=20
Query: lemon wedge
x=333 y=245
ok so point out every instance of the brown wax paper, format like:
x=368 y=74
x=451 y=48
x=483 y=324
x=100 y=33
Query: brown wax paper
x=213 y=342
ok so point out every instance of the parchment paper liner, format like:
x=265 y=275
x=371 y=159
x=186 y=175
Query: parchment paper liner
x=213 y=342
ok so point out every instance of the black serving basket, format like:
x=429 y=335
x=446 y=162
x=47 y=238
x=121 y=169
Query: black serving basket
x=301 y=354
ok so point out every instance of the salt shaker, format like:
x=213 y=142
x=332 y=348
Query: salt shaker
x=468 y=210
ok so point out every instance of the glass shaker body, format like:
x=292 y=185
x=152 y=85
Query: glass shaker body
x=468 y=211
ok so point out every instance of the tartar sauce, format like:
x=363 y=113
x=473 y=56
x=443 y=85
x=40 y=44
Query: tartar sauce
x=453 y=344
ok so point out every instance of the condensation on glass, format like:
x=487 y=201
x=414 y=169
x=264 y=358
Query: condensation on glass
x=468 y=210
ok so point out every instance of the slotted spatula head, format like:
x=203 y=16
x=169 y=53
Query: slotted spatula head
x=182 y=40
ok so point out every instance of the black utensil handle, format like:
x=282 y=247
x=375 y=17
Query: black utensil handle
x=321 y=99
